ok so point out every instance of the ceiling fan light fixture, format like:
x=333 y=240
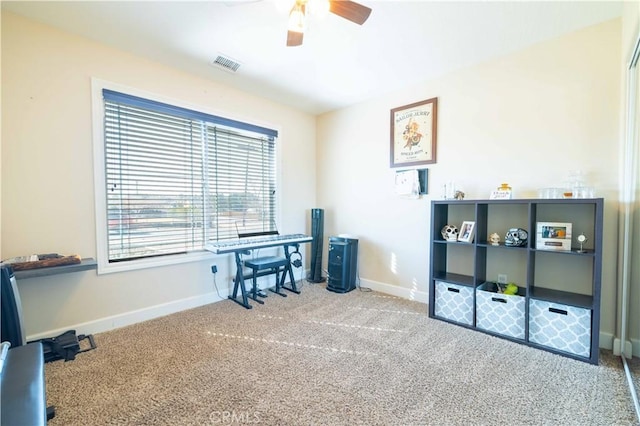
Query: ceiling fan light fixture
x=297 y=19
x=347 y=9
x=319 y=7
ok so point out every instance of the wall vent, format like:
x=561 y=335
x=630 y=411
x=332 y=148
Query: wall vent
x=226 y=63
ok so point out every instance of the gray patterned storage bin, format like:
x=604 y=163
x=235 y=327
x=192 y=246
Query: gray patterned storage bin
x=454 y=302
x=500 y=313
x=562 y=327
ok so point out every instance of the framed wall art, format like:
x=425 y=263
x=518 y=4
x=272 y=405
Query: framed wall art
x=413 y=133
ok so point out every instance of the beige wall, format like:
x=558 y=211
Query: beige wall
x=525 y=119
x=47 y=175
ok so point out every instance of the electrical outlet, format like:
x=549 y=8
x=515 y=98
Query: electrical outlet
x=502 y=278
x=214 y=269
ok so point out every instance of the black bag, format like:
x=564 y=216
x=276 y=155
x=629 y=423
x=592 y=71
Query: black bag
x=65 y=346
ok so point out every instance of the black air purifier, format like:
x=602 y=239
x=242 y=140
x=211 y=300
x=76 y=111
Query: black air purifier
x=343 y=264
x=317 y=229
x=11 y=315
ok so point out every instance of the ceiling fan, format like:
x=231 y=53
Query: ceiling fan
x=346 y=9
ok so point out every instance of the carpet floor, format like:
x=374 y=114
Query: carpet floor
x=321 y=358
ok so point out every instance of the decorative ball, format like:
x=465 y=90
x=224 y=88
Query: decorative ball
x=511 y=288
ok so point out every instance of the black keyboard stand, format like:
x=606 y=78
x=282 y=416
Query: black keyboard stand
x=261 y=267
x=292 y=280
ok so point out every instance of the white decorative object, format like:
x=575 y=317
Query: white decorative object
x=407 y=184
x=581 y=240
x=449 y=190
x=494 y=239
x=449 y=233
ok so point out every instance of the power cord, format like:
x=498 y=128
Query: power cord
x=363 y=289
x=214 y=270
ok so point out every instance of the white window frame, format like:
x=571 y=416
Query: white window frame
x=98 y=111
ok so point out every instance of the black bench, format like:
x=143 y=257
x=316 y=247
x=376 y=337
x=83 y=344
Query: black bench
x=272 y=264
x=262 y=266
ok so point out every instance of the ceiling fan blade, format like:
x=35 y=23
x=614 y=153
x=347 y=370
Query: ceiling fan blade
x=354 y=12
x=294 y=38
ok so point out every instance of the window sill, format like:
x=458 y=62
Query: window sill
x=104 y=267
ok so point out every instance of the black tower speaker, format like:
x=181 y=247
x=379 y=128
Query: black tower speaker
x=343 y=264
x=11 y=320
x=317 y=229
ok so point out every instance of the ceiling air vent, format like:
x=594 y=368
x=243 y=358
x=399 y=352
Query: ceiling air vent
x=226 y=63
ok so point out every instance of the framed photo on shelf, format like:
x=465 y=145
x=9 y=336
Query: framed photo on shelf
x=413 y=133
x=467 y=232
x=553 y=236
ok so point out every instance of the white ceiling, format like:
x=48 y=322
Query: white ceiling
x=340 y=63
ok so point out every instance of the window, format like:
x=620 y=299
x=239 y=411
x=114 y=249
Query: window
x=176 y=178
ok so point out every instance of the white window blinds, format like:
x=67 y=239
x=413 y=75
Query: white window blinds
x=177 y=178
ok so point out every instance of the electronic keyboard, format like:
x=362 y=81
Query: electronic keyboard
x=240 y=244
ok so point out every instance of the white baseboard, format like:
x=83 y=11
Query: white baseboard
x=607 y=341
x=394 y=290
x=630 y=347
x=132 y=317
